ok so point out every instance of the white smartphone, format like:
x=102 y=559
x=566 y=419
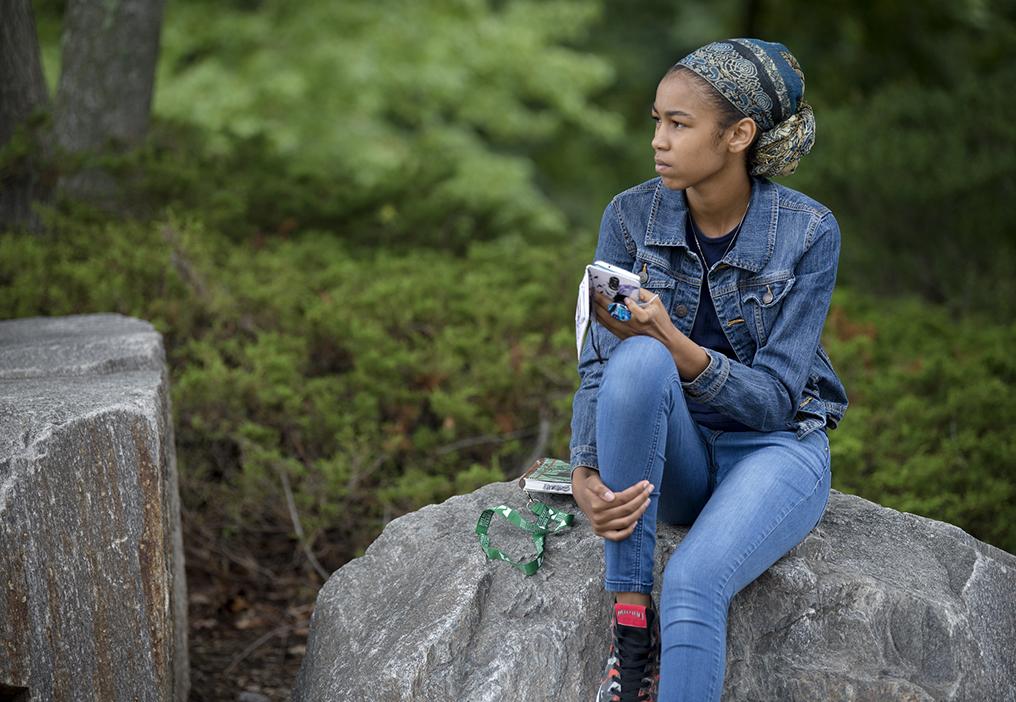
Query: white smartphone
x=614 y=282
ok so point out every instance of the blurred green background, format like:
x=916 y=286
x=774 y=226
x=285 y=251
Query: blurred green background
x=360 y=227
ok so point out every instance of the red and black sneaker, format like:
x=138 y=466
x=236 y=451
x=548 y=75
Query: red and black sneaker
x=632 y=673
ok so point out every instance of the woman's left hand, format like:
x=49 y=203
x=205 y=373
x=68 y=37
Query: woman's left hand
x=650 y=320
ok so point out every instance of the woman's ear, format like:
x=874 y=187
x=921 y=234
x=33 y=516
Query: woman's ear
x=742 y=134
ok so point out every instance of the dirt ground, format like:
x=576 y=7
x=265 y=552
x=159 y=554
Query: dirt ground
x=248 y=618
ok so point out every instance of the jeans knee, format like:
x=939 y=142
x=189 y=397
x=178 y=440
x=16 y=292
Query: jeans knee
x=639 y=367
x=693 y=582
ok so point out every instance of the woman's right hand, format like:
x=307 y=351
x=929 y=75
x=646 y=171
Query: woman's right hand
x=612 y=514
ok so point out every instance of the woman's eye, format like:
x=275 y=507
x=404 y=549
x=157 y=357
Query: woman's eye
x=677 y=124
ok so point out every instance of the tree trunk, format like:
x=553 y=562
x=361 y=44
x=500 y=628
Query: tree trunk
x=104 y=97
x=22 y=92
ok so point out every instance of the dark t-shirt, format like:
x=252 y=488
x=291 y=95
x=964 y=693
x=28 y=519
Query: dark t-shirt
x=707 y=331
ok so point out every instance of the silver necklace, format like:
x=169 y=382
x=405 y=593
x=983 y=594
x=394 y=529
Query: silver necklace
x=737 y=231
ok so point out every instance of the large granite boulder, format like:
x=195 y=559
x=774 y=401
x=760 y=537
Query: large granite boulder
x=93 y=601
x=873 y=605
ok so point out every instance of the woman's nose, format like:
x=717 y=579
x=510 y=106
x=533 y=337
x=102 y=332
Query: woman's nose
x=658 y=143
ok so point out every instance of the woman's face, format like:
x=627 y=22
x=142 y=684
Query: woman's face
x=684 y=143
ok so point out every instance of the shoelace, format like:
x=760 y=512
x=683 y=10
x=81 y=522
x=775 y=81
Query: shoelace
x=633 y=656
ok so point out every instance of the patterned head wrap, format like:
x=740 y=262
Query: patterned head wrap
x=763 y=81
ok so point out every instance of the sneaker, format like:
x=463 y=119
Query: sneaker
x=632 y=673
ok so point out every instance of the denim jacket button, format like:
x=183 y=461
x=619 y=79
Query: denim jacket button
x=681 y=310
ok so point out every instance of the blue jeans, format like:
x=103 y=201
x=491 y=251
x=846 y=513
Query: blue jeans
x=749 y=497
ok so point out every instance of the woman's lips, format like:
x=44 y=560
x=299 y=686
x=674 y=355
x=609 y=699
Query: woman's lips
x=661 y=166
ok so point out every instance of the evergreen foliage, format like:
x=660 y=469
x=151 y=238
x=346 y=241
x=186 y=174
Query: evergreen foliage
x=387 y=379
x=929 y=426
x=923 y=177
x=360 y=230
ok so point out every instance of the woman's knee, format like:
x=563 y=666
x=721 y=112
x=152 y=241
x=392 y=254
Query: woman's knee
x=696 y=583
x=639 y=366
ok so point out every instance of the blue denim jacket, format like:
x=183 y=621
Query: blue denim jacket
x=771 y=292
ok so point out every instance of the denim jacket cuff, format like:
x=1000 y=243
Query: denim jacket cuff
x=705 y=386
x=584 y=456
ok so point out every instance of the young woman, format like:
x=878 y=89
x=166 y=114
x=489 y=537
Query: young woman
x=706 y=402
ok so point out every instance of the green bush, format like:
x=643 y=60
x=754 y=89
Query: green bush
x=929 y=427
x=918 y=177
x=381 y=381
x=365 y=292
x=424 y=115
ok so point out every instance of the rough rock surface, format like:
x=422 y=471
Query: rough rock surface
x=93 y=599
x=873 y=605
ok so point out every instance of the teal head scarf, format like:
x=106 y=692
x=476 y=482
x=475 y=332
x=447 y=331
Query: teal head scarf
x=763 y=81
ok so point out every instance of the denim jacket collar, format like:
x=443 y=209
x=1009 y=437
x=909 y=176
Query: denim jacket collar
x=754 y=243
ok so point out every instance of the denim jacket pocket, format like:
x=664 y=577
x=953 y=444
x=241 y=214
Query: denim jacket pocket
x=761 y=301
x=658 y=280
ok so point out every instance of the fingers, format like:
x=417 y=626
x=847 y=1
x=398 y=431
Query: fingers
x=613 y=512
x=605 y=498
x=619 y=529
x=615 y=515
x=642 y=309
x=619 y=329
x=641 y=296
x=629 y=515
x=644 y=298
x=602 y=300
x=639 y=314
x=643 y=314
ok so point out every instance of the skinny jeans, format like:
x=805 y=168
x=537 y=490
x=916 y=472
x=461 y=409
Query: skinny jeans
x=748 y=496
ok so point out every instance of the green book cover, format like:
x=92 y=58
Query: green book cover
x=548 y=475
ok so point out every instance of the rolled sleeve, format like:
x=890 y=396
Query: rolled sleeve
x=584 y=456
x=708 y=383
